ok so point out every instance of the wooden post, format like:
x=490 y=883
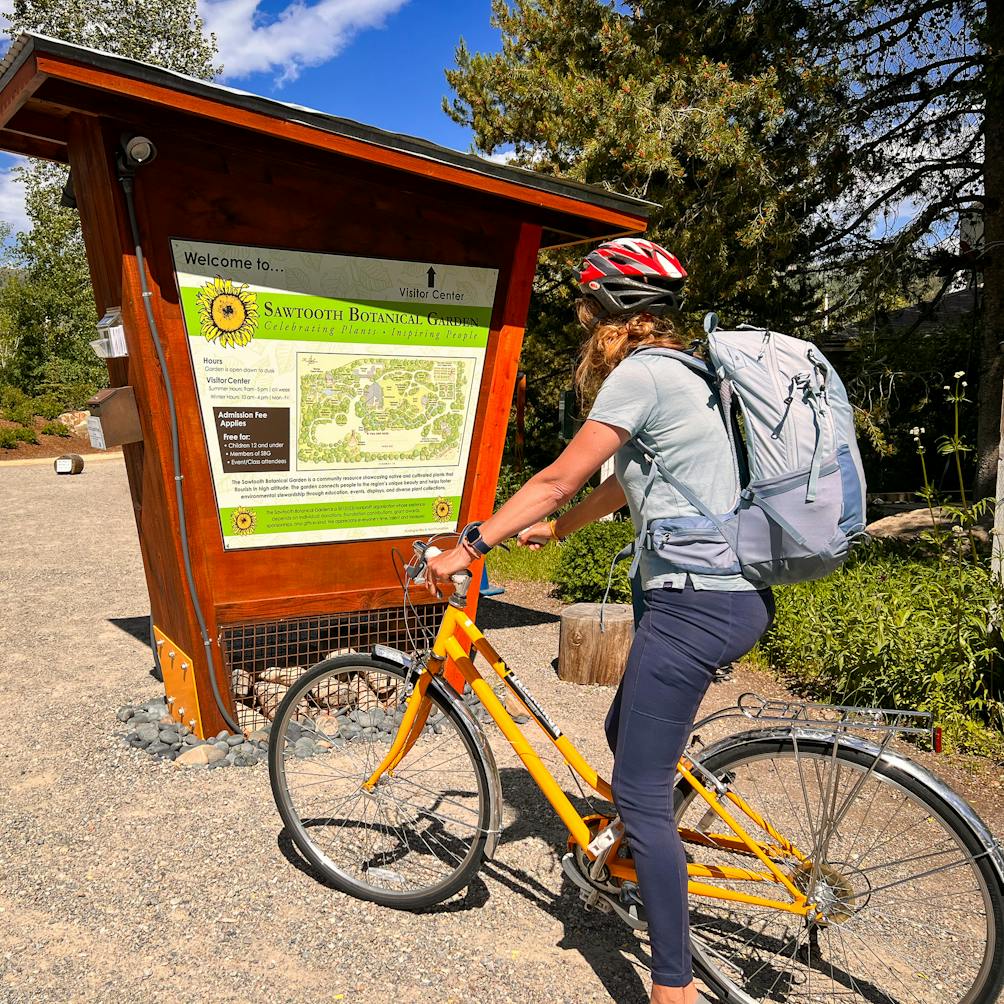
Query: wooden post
x=588 y=655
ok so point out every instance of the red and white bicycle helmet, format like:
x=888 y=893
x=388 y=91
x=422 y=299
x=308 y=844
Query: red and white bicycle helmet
x=631 y=273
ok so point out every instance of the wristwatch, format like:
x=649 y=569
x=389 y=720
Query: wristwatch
x=472 y=539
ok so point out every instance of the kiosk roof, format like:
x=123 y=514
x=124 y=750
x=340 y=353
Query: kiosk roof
x=44 y=80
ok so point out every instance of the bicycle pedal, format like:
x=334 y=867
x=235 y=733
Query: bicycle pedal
x=593 y=897
x=595 y=901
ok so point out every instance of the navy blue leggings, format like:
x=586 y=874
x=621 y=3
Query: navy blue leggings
x=683 y=636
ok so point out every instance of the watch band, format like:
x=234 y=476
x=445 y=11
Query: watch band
x=472 y=538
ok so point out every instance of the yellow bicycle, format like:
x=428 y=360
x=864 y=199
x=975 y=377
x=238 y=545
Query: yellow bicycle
x=823 y=866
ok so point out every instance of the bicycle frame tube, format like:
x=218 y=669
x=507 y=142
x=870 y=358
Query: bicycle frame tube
x=456 y=625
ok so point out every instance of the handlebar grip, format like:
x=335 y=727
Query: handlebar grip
x=461 y=583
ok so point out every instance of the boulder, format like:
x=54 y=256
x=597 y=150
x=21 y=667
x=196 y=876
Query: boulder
x=909 y=526
x=75 y=421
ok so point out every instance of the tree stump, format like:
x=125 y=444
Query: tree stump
x=587 y=655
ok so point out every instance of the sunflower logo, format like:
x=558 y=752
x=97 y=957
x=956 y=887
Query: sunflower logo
x=228 y=312
x=442 y=509
x=243 y=520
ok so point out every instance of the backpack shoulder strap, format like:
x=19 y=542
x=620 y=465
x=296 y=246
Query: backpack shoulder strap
x=700 y=366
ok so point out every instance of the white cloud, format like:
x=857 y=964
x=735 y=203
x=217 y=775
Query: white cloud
x=12 y=195
x=502 y=157
x=302 y=34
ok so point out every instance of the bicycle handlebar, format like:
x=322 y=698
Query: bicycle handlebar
x=415 y=572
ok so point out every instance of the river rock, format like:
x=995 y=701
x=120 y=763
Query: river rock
x=382 y=684
x=269 y=696
x=200 y=755
x=333 y=693
x=243 y=683
x=251 y=719
x=286 y=675
x=148 y=732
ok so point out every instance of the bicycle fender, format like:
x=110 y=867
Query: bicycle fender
x=965 y=812
x=393 y=656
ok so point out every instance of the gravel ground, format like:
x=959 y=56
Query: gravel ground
x=128 y=879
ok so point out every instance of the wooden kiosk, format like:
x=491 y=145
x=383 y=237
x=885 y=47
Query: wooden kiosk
x=339 y=312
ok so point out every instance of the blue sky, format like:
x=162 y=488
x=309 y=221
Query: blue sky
x=377 y=61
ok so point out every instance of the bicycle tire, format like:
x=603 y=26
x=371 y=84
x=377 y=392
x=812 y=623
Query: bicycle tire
x=401 y=830
x=738 y=983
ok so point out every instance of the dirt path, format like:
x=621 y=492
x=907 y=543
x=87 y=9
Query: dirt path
x=129 y=880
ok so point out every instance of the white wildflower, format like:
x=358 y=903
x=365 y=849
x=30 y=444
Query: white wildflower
x=915 y=431
x=959 y=374
x=965 y=383
x=947 y=387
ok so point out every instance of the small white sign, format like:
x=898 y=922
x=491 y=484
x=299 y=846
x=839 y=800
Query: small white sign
x=95 y=433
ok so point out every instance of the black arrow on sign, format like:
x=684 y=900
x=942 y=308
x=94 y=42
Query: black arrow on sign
x=432 y=277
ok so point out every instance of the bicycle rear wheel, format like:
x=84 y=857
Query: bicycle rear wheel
x=912 y=900
x=419 y=836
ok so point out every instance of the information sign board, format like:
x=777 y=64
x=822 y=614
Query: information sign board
x=337 y=394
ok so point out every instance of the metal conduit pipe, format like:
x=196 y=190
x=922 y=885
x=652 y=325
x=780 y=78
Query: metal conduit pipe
x=126 y=176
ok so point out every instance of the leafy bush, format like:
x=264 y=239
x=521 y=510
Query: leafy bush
x=584 y=565
x=10 y=437
x=16 y=406
x=894 y=629
x=48 y=406
x=55 y=429
x=510 y=482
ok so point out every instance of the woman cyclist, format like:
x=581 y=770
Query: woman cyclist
x=692 y=623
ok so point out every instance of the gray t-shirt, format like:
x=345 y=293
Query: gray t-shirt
x=676 y=414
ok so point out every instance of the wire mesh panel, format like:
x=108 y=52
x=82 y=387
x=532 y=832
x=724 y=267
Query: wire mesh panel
x=264 y=658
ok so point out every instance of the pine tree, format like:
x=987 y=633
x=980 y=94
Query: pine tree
x=721 y=113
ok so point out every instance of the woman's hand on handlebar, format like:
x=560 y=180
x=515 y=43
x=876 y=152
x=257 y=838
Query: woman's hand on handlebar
x=536 y=536
x=439 y=569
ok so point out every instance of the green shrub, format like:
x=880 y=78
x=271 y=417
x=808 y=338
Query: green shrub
x=55 y=429
x=8 y=439
x=48 y=406
x=16 y=406
x=892 y=629
x=585 y=559
x=26 y=435
x=510 y=482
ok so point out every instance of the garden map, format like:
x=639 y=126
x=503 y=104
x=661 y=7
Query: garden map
x=367 y=410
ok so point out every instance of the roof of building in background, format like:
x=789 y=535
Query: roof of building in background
x=922 y=318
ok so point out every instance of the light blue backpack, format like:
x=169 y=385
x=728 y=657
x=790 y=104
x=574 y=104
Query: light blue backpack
x=803 y=497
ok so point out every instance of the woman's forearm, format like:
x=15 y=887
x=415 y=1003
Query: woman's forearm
x=536 y=500
x=557 y=484
x=608 y=498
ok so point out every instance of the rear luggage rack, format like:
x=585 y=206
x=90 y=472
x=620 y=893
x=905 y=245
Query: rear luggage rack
x=839 y=717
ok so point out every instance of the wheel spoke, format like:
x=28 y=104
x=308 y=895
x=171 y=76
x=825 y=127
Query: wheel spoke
x=881 y=848
x=419 y=831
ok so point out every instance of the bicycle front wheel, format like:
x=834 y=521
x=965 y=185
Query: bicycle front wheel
x=913 y=910
x=419 y=835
